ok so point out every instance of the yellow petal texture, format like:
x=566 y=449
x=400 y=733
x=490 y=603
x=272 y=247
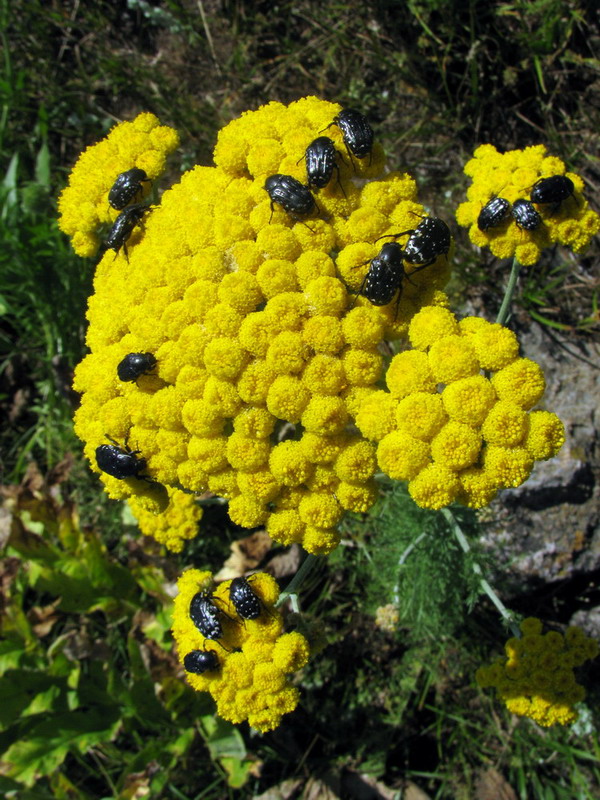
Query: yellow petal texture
x=255 y=657
x=512 y=175
x=535 y=679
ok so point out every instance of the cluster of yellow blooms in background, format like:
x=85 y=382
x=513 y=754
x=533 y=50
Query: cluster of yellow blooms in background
x=267 y=386
x=536 y=678
x=512 y=175
x=255 y=656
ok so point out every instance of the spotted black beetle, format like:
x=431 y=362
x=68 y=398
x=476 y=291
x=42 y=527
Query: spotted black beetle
x=120 y=462
x=292 y=196
x=320 y=162
x=493 y=214
x=244 y=600
x=525 y=215
x=127 y=187
x=134 y=365
x=205 y=615
x=429 y=240
x=552 y=191
x=199 y=661
x=385 y=275
x=356 y=131
x=123 y=228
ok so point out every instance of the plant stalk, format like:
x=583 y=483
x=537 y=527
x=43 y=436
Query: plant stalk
x=504 y=312
x=466 y=548
x=295 y=584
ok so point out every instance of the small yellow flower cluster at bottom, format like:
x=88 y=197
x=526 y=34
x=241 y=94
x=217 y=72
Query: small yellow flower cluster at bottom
x=536 y=678
x=254 y=656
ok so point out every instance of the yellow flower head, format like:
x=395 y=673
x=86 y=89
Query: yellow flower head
x=536 y=678
x=249 y=312
x=230 y=642
x=523 y=229
x=83 y=205
x=457 y=434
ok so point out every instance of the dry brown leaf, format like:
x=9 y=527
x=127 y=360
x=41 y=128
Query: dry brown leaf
x=320 y=790
x=136 y=785
x=9 y=567
x=246 y=554
x=283 y=791
x=78 y=645
x=285 y=564
x=61 y=471
x=366 y=787
x=43 y=619
x=33 y=480
x=491 y=785
x=410 y=791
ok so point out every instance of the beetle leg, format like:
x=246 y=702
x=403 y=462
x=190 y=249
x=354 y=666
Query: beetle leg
x=400 y=288
x=338 y=178
x=350 y=157
x=362 y=286
x=395 y=235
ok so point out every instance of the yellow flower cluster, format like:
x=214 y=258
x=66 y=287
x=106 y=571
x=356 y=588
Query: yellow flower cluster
x=535 y=679
x=254 y=656
x=176 y=525
x=475 y=436
x=83 y=205
x=512 y=175
x=256 y=334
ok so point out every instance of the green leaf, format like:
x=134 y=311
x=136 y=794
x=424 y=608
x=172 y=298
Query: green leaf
x=237 y=771
x=42 y=166
x=30 y=545
x=10 y=185
x=48 y=743
x=11 y=653
x=64 y=789
x=225 y=744
x=158 y=628
x=24 y=693
x=222 y=738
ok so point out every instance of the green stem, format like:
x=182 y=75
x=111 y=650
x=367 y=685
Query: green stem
x=410 y=548
x=508 y=295
x=466 y=548
x=293 y=588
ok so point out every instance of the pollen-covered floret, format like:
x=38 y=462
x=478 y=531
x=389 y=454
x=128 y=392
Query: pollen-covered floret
x=83 y=205
x=248 y=675
x=535 y=678
x=512 y=176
